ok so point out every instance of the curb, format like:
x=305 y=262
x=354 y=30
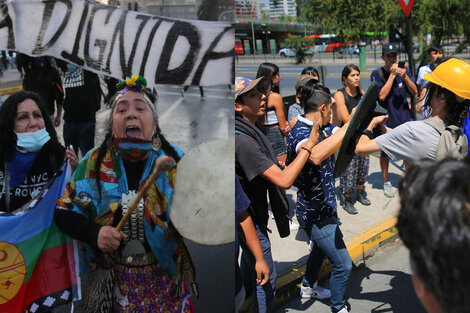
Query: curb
x=8 y=91
x=359 y=247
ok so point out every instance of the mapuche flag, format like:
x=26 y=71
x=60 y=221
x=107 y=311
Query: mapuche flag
x=38 y=270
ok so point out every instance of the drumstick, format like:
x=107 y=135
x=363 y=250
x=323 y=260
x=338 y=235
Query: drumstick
x=162 y=164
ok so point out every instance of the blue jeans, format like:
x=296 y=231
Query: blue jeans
x=80 y=135
x=263 y=300
x=328 y=241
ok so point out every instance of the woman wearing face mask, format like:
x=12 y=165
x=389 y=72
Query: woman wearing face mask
x=30 y=153
x=148 y=257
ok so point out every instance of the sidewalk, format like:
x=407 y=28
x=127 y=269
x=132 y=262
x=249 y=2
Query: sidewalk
x=363 y=233
x=316 y=60
x=10 y=82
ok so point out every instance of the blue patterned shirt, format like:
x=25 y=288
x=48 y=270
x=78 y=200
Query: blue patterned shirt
x=316 y=183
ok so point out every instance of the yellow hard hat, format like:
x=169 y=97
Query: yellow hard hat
x=454 y=75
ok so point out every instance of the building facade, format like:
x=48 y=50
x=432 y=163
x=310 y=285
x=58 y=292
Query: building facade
x=278 y=8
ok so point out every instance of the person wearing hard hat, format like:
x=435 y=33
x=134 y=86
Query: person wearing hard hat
x=448 y=97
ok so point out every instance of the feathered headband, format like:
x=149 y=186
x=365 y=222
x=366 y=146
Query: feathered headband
x=135 y=83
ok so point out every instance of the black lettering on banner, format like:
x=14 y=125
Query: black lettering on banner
x=178 y=75
x=118 y=29
x=76 y=45
x=46 y=17
x=211 y=55
x=6 y=22
x=127 y=68
x=149 y=45
x=101 y=43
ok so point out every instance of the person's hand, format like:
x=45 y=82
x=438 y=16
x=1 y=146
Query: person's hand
x=377 y=121
x=72 y=157
x=401 y=72
x=394 y=68
x=315 y=132
x=262 y=272
x=57 y=120
x=109 y=238
x=287 y=129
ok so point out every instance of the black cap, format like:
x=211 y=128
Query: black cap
x=432 y=48
x=389 y=48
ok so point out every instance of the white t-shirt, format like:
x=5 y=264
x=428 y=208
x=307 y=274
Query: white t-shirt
x=422 y=70
x=410 y=141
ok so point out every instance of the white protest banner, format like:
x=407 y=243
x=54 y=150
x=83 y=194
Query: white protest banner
x=118 y=43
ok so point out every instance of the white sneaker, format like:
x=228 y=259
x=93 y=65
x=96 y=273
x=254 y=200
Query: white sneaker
x=293 y=225
x=316 y=292
x=388 y=190
x=343 y=310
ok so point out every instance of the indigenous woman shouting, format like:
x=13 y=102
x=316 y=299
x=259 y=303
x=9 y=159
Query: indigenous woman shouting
x=148 y=256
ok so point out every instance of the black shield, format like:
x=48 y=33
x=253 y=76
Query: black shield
x=367 y=109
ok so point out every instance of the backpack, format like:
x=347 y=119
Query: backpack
x=453 y=141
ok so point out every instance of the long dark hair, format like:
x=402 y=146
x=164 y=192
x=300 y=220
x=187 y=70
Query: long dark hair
x=345 y=73
x=456 y=110
x=104 y=147
x=309 y=70
x=309 y=89
x=269 y=70
x=433 y=224
x=8 y=111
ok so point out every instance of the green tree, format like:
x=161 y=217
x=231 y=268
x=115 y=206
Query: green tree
x=441 y=18
x=299 y=45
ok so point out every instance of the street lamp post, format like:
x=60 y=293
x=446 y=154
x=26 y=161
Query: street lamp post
x=266 y=32
x=253 y=28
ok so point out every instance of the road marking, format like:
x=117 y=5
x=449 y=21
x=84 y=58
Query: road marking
x=178 y=102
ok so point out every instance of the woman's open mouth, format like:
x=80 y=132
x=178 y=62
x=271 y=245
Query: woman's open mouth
x=133 y=131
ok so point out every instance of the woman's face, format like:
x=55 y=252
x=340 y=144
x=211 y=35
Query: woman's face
x=353 y=79
x=313 y=74
x=132 y=117
x=28 y=117
x=276 y=79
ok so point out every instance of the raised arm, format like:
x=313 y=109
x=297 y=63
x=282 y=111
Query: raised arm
x=410 y=85
x=284 y=178
x=365 y=145
x=389 y=83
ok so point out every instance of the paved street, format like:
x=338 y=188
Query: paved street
x=289 y=74
x=246 y=66
x=381 y=284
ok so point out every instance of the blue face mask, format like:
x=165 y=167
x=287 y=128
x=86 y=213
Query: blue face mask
x=32 y=141
x=71 y=68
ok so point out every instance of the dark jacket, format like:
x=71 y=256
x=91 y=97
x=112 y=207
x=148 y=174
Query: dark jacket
x=47 y=83
x=81 y=103
x=277 y=196
x=46 y=164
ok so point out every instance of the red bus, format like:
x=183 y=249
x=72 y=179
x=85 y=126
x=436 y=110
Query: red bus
x=326 y=42
x=239 y=47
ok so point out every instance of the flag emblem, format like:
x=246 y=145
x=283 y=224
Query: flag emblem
x=12 y=271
